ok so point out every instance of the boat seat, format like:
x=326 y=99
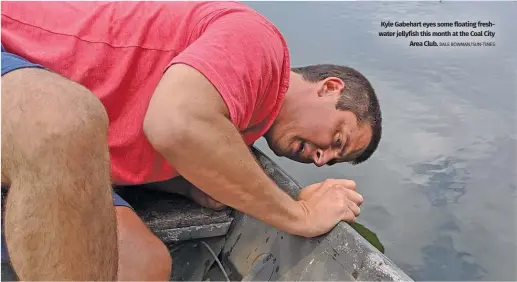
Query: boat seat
x=171 y=217
x=174 y=218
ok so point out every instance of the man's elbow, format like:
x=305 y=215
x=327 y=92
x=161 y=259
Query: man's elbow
x=164 y=134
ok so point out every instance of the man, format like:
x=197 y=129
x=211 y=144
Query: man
x=95 y=94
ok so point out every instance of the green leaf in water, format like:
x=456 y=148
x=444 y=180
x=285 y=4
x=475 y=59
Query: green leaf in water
x=368 y=235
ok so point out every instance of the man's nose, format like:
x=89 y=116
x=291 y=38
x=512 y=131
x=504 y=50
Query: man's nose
x=321 y=157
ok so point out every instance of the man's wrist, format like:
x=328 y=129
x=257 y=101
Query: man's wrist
x=297 y=223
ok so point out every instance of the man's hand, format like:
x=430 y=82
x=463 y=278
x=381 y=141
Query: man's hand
x=327 y=203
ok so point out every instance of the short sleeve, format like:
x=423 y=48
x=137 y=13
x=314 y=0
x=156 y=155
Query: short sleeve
x=244 y=57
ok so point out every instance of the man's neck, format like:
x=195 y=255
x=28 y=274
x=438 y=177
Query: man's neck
x=296 y=94
x=297 y=86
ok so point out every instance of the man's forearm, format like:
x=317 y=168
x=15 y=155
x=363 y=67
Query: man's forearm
x=212 y=155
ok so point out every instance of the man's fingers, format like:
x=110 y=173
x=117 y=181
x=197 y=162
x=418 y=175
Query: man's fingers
x=355 y=197
x=354 y=208
x=351 y=212
x=345 y=183
x=349 y=216
x=327 y=184
x=351 y=194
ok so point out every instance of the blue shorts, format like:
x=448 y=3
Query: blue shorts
x=11 y=62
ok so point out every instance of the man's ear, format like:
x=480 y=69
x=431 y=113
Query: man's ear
x=330 y=86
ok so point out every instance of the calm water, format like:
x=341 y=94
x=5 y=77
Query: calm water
x=441 y=190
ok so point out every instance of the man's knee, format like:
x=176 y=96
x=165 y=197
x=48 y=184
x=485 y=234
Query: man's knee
x=64 y=104
x=42 y=110
x=151 y=261
x=142 y=255
x=158 y=259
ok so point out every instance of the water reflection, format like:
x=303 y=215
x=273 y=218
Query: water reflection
x=447 y=180
x=443 y=262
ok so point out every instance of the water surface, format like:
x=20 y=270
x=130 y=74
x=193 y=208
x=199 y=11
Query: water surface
x=441 y=190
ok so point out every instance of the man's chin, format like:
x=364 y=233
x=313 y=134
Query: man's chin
x=276 y=149
x=284 y=153
x=278 y=153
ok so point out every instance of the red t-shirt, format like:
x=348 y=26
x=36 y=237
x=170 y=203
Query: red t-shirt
x=119 y=50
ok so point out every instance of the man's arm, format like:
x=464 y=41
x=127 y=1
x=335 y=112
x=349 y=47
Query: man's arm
x=188 y=122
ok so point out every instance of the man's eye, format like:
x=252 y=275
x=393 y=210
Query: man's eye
x=338 y=142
